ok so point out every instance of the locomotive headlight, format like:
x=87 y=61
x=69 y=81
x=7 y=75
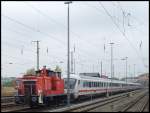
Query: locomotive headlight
x=34 y=99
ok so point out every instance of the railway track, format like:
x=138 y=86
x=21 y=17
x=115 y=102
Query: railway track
x=7 y=99
x=8 y=105
x=14 y=108
x=123 y=104
x=99 y=104
x=92 y=105
x=139 y=104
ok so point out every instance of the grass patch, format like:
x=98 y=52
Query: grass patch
x=8 y=91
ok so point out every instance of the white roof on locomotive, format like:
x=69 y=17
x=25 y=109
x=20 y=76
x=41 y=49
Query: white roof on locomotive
x=98 y=79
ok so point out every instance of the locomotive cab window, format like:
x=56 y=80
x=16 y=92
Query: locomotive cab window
x=72 y=83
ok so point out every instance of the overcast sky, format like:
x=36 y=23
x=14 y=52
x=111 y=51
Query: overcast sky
x=91 y=28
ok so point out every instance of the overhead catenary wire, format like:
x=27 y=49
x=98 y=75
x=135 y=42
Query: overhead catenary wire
x=32 y=28
x=124 y=35
x=36 y=29
x=79 y=54
x=120 y=30
x=18 y=47
x=50 y=18
x=130 y=25
x=16 y=21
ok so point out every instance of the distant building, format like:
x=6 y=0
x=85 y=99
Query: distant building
x=90 y=74
x=143 y=79
x=93 y=75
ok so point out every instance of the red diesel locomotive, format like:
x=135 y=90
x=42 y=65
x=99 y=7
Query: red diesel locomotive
x=41 y=88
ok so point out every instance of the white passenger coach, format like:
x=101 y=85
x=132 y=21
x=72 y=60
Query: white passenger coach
x=81 y=85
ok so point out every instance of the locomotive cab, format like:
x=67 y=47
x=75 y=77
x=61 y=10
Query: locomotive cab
x=37 y=89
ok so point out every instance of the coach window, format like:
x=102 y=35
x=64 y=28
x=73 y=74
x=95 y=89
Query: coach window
x=107 y=84
x=78 y=82
x=83 y=83
x=90 y=84
x=87 y=84
x=110 y=84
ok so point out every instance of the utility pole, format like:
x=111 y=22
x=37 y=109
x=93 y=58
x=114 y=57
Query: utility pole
x=74 y=59
x=129 y=72
x=37 y=43
x=74 y=66
x=113 y=70
x=68 y=63
x=101 y=68
x=111 y=44
x=126 y=68
x=71 y=61
x=93 y=68
x=134 y=73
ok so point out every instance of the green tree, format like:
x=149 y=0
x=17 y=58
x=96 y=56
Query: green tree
x=57 y=69
x=30 y=71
